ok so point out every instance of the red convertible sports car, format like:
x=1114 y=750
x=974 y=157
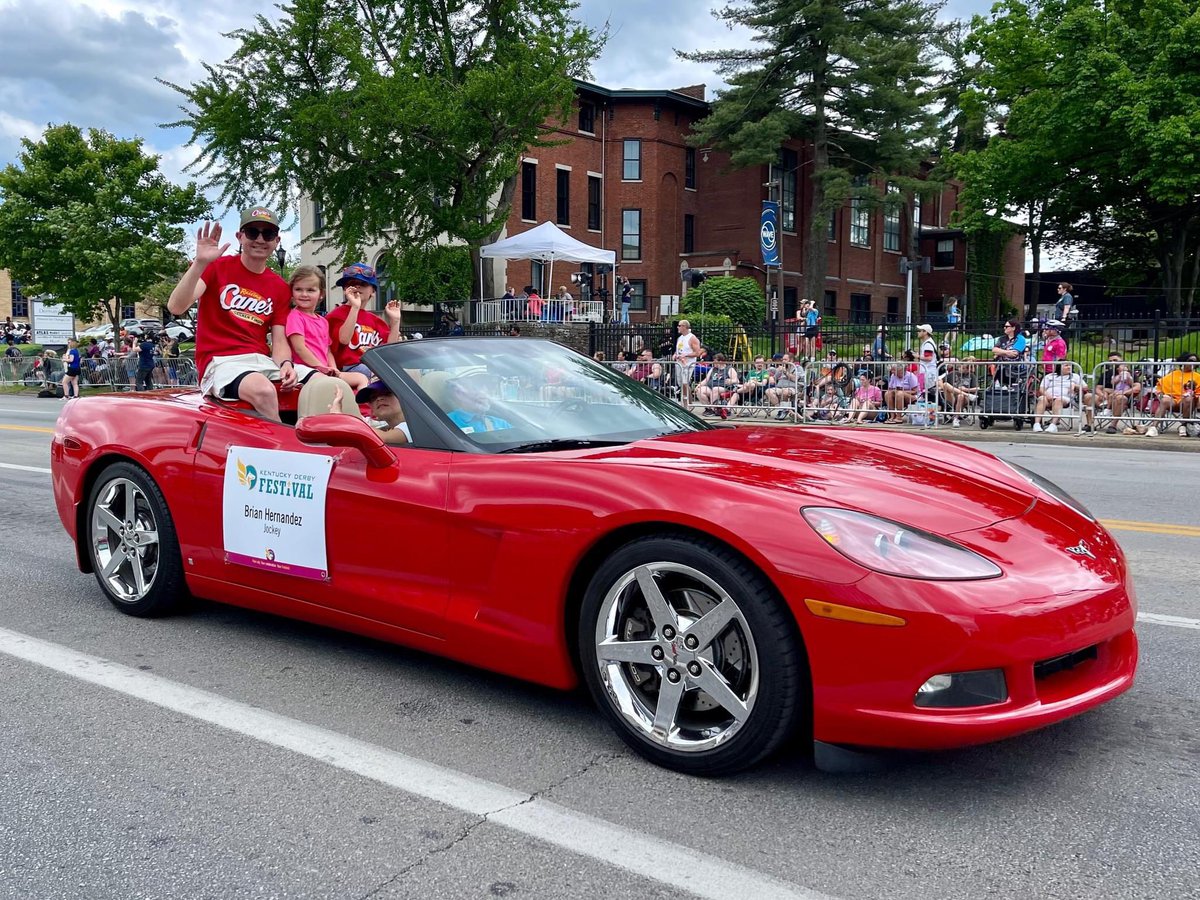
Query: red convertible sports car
x=716 y=588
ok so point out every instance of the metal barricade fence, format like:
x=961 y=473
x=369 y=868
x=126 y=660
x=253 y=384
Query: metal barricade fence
x=1133 y=397
x=115 y=373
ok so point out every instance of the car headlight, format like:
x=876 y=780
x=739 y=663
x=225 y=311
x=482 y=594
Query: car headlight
x=1052 y=489
x=896 y=549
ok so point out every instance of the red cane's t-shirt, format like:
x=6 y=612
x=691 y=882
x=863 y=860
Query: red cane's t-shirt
x=369 y=331
x=237 y=310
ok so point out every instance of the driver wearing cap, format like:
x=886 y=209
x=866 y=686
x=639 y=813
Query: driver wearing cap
x=386 y=408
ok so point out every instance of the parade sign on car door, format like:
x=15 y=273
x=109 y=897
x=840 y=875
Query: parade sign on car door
x=273 y=510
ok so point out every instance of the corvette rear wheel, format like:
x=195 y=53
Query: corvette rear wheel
x=691 y=655
x=131 y=538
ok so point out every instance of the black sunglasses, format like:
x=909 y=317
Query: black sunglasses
x=267 y=234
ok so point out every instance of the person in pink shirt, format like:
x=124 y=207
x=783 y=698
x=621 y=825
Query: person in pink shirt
x=866 y=401
x=308 y=333
x=1055 y=348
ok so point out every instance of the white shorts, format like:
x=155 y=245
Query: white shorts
x=222 y=371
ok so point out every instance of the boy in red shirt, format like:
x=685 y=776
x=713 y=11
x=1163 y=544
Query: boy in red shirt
x=241 y=303
x=354 y=329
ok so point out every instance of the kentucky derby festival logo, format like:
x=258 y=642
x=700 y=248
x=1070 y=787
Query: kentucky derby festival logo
x=247 y=475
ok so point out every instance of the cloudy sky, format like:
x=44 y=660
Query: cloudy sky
x=94 y=62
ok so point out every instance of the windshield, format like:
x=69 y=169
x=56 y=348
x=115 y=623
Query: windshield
x=510 y=394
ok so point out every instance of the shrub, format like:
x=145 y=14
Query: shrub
x=741 y=299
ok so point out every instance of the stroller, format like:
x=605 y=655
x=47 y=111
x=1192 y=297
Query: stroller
x=1008 y=399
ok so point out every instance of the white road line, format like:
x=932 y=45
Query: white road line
x=1174 y=621
x=33 y=412
x=39 y=469
x=696 y=872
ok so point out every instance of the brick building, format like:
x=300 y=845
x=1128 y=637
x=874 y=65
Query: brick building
x=624 y=178
x=13 y=304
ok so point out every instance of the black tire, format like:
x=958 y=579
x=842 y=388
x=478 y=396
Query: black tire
x=131 y=540
x=1017 y=424
x=749 y=655
x=985 y=423
x=841 y=375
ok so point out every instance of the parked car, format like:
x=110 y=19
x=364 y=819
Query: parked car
x=139 y=326
x=716 y=589
x=181 y=329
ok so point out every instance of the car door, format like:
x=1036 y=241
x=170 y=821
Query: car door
x=386 y=529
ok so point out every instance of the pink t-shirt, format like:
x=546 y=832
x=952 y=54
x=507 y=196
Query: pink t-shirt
x=314 y=330
x=869 y=393
x=1055 y=349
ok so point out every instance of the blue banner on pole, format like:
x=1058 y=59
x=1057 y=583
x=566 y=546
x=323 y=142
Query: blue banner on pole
x=768 y=231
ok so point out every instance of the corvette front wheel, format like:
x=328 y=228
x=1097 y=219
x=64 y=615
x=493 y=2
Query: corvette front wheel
x=131 y=539
x=691 y=655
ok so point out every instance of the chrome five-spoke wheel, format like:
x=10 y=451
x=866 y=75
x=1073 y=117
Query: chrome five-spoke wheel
x=677 y=656
x=132 y=542
x=691 y=654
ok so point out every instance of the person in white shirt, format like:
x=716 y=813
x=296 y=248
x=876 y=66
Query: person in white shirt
x=1059 y=392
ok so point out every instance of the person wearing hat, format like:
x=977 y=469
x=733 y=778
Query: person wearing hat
x=353 y=327
x=385 y=407
x=242 y=304
x=1055 y=348
x=927 y=356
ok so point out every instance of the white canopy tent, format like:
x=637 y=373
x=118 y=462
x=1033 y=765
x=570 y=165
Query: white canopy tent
x=545 y=243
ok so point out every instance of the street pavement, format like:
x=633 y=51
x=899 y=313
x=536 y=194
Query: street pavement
x=129 y=791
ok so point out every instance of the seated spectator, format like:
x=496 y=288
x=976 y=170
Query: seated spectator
x=647 y=371
x=1176 y=392
x=901 y=391
x=866 y=400
x=959 y=387
x=828 y=403
x=782 y=384
x=1011 y=349
x=598 y=356
x=753 y=389
x=1059 y=392
x=719 y=388
x=1117 y=388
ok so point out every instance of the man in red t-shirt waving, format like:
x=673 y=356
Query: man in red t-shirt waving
x=241 y=303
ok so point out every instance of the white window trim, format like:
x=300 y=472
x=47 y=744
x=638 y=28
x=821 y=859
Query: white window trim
x=561 y=166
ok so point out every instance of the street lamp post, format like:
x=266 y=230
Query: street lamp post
x=281 y=258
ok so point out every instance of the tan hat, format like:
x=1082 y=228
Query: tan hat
x=928 y=328
x=258 y=214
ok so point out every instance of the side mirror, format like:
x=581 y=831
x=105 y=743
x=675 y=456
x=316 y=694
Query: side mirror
x=341 y=430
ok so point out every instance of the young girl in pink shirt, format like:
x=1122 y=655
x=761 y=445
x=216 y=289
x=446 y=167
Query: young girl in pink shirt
x=308 y=333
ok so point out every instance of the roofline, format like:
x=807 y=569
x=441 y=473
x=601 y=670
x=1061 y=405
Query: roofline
x=635 y=94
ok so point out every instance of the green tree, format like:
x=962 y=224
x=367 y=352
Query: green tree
x=1098 y=115
x=435 y=274
x=741 y=299
x=404 y=120
x=91 y=220
x=856 y=78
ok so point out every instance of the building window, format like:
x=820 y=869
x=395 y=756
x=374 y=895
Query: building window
x=689 y=167
x=594 y=184
x=893 y=310
x=318 y=216
x=689 y=234
x=891 y=219
x=860 y=309
x=917 y=213
x=830 y=308
x=128 y=311
x=632 y=160
x=537 y=277
x=785 y=173
x=790 y=302
x=631 y=234
x=860 y=222
x=529 y=191
x=944 y=256
x=833 y=225
x=20 y=305
x=564 y=196
x=639 y=294
x=587 y=117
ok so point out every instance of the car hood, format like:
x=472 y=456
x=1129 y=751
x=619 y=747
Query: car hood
x=925 y=482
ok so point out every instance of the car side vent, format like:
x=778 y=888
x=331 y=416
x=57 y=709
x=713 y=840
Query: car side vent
x=1048 y=667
